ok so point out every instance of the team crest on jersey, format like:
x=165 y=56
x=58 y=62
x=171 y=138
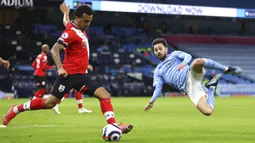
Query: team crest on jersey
x=61 y=88
x=65 y=35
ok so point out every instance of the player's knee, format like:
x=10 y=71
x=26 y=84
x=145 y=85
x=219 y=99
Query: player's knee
x=102 y=93
x=49 y=105
x=197 y=65
x=50 y=102
x=208 y=112
x=198 y=62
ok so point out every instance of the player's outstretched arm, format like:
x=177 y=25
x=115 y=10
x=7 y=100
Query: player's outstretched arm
x=5 y=63
x=65 y=10
x=156 y=94
x=56 y=57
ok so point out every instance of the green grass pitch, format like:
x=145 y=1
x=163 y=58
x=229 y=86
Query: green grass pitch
x=171 y=120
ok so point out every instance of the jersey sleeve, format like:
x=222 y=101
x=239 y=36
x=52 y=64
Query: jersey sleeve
x=184 y=57
x=157 y=84
x=66 y=38
x=156 y=93
x=157 y=80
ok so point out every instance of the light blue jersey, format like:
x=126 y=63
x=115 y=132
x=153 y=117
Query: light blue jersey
x=167 y=72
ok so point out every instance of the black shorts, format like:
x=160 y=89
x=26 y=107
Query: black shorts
x=81 y=82
x=40 y=82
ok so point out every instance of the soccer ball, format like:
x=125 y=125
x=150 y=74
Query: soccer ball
x=111 y=132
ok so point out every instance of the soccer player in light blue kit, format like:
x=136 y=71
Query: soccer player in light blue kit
x=175 y=71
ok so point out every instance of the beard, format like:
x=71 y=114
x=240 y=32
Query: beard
x=161 y=57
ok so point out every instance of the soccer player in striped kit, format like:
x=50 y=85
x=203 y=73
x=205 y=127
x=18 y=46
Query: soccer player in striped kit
x=175 y=71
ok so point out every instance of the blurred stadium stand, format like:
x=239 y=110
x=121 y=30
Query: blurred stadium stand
x=120 y=46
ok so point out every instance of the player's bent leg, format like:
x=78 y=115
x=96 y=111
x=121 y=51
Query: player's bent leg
x=106 y=106
x=198 y=64
x=105 y=102
x=211 y=64
x=197 y=94
x=35 y=104
x=204 y=107
x=78 y=97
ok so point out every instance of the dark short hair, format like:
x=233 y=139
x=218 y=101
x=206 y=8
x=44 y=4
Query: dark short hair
x=159 y=40
x=80 y=10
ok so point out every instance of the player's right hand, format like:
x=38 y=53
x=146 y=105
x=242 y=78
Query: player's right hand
x=148 y=107
x=64 y=8
x=62 y=72
x=181 y=66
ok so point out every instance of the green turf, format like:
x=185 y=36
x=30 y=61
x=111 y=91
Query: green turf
x=172 y=120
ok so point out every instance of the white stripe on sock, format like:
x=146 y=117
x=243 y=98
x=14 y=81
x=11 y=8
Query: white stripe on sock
x=63 y=99
x=109 y=114
x=26 y=106
x=79 y=101
x=15 y=110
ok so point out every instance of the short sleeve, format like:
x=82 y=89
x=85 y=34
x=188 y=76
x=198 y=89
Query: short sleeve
x=179 y=54
x=66 y=38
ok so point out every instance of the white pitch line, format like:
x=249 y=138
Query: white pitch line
x=34 y=126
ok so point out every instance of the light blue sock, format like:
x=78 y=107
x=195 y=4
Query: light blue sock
x=210 y=99
x=211 y=64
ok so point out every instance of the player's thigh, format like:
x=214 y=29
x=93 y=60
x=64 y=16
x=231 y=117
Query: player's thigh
x=88 y=86
x=101 y=93
x=198 y=65
x=62 y=86
x=194 y=87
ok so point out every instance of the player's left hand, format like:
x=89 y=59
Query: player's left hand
x=6 y=64
x=148 y=107
x=181 y=66
x=90 y=67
